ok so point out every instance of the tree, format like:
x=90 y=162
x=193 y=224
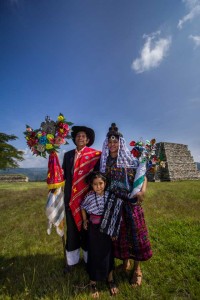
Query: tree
x=9 y=155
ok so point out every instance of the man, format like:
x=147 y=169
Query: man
x=77 y=164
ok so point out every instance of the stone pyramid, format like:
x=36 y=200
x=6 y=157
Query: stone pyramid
x=179 y=165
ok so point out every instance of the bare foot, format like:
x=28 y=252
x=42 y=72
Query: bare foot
x=136 y=279
x=93 y=290
x=113 y=288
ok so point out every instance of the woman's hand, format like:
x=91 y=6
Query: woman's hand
x=141 y=194
x=140 y=197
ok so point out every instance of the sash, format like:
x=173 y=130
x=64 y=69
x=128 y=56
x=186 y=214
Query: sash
x=83 y=166
x=111 y=220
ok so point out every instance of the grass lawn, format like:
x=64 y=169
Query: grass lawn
x=31 y=262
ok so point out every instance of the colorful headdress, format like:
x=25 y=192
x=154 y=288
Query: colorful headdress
x=124 y=157
x=113 y=132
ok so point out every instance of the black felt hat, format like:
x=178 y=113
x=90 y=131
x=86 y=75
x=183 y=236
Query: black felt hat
x=89 y=132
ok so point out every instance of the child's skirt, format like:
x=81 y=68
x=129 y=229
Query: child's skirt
x=100 y=253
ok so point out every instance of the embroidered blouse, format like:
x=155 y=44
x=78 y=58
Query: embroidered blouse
x=120 y=180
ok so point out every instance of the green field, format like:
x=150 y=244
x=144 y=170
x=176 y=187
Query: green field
x=31 y=262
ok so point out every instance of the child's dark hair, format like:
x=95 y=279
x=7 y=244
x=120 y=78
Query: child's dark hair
x=95 y=174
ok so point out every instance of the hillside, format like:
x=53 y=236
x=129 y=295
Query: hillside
x=34 y=174
x=38 y=174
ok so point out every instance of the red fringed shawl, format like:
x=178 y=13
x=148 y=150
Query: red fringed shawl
x=83 y=166
x=55 y=173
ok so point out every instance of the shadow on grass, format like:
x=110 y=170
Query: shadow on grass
x=42 y=276
x=38 y=276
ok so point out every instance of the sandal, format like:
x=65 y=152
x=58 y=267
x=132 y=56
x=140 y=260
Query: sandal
x=93 y=290
x=112 y=288
x=136 y=279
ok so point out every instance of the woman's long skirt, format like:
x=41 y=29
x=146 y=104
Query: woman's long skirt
x=133 y=241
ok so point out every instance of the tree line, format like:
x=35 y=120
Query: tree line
x=9 y=155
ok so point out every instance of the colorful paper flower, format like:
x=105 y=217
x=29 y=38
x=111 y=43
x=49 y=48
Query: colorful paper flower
x=59 y=140
x=49 y=136
x=43 y=140
x=40 y=148
x=145 y=152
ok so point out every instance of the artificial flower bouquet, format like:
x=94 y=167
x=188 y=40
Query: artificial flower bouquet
x=47 y=140
x=49 y=137
x=145 y=152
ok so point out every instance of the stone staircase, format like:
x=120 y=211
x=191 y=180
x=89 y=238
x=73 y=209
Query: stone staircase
x=13 y=178
x=179 y=165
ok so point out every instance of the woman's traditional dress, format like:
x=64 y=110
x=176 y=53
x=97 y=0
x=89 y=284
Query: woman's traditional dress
x=100 y=249
x=133 y=241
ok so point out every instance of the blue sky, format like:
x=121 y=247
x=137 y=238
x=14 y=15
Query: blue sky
x=135 y=63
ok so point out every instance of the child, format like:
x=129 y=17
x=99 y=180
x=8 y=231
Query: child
x=100 y=257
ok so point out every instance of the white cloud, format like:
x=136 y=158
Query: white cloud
x=33 y=161
x=152 y=53
x=194 y=11
x=196 y=39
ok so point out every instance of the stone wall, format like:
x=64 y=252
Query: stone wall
x=179 y=165
x=13 y=178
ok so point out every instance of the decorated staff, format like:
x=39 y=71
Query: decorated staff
x=47 y=140
x=146 y=154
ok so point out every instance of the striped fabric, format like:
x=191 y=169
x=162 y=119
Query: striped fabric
x=84 y=164
x=92 y=205
x=55 y=211
x=109 y=207
x=112 y=216
x=139 y=179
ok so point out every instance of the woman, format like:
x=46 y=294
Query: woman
x=119 y=166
